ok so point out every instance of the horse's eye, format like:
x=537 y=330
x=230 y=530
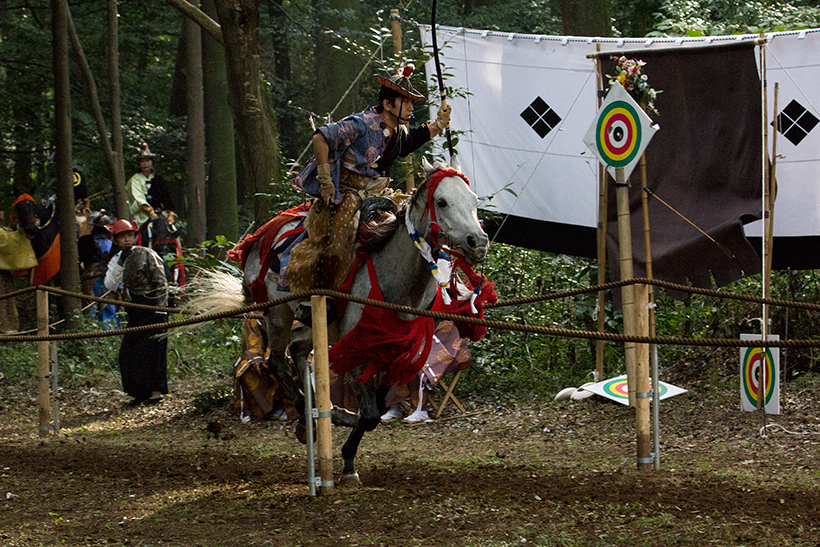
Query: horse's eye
x=441 y=202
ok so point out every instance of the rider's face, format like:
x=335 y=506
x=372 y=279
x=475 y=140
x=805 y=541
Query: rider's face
x=401 y=109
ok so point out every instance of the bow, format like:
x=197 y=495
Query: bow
x=441 y=88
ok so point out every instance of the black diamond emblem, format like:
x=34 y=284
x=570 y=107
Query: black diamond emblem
x=795 y=122
x=540 y=117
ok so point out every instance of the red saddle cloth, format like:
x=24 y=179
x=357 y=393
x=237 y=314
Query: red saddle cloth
x=266 y=236
x=387 y=343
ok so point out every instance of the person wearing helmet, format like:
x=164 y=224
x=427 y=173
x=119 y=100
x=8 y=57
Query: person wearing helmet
x=143 y=355
x=351 y=162
x=148 y=192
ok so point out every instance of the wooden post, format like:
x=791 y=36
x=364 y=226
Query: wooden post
x=320 y=363
x=628 y=291
x=642 y=389
x=43 y=366
x=395 y=25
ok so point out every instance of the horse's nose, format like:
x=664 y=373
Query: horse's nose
x=477 y=241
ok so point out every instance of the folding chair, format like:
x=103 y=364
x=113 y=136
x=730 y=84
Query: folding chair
x=448 y=395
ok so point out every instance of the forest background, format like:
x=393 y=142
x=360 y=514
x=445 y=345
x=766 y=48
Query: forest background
x=228 y=114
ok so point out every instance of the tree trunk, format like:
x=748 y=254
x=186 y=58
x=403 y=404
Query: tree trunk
x=335 y=70
x=120 y=199
x=290 y=137
x=195 y=131
x=586 y=17
x=253 y=118
x=69 y=263
x=105 y=142
x=220 y=203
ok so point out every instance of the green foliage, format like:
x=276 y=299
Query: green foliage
x=720 y=17
x=530 y=363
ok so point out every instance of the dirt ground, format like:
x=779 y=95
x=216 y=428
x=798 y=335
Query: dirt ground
x=533 y=472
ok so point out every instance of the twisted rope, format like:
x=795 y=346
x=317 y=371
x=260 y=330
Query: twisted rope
x=589 y=335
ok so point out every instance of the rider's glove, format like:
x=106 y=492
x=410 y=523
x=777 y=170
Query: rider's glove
x=326 y=183
x=442 y=120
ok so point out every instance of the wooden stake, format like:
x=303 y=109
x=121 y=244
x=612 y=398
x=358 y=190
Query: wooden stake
x=43 y=365
x=628 y=291
x=323 y=406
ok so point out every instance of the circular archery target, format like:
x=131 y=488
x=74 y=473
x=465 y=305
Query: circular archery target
x=618 y=135
x=618 y=388
x=753 y=359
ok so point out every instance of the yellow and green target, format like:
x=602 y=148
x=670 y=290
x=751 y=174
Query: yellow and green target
x=753 y=359
x=618 y=134
x=619 y=389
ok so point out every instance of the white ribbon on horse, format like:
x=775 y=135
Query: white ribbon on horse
x=441 y=277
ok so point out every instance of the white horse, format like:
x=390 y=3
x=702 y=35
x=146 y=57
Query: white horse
x=404 y=277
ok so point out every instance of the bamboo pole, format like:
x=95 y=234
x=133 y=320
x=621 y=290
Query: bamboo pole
x=323 y=406
x=395 y=26
x=768 y=243
x=764 y=322
x=603 y=205
x=650 y=300
x=43 y=365
x=642 y=313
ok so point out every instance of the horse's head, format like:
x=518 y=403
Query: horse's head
x=449 y=216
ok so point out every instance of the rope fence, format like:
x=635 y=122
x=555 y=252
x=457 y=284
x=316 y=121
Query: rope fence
x=510 y=326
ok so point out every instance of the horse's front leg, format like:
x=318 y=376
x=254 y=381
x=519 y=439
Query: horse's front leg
x=371 y=402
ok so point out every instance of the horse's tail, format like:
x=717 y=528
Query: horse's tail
x=213 y=291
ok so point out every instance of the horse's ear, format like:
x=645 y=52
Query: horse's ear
x=428 y=169
x=454 y=163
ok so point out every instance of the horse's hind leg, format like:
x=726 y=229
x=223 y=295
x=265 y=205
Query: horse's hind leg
x=280 y=321
x=370 y=411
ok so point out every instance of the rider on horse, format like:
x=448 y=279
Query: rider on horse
x=351 y=162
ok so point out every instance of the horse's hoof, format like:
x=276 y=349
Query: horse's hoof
x=301 y=433
x=350 y=480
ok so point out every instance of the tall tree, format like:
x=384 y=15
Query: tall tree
x=70 y=273
x=586 y=17
x=253 y=117
x=221 y=205
x=195 y=132
x=110 y=158
x=335 y=70
x=120 y=199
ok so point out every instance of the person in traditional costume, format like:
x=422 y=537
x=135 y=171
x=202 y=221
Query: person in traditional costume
x=351 y=162
x=148 y=193
x=143 y=355
x=148 y=199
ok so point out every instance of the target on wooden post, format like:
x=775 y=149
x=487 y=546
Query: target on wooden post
x=620 y=132
x=751 y=359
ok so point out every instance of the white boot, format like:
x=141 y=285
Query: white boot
x=394 y=413
x=419 y=415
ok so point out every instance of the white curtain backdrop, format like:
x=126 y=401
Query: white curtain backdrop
x=552 y=173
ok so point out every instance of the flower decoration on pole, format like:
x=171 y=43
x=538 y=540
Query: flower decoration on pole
x=630 y=75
